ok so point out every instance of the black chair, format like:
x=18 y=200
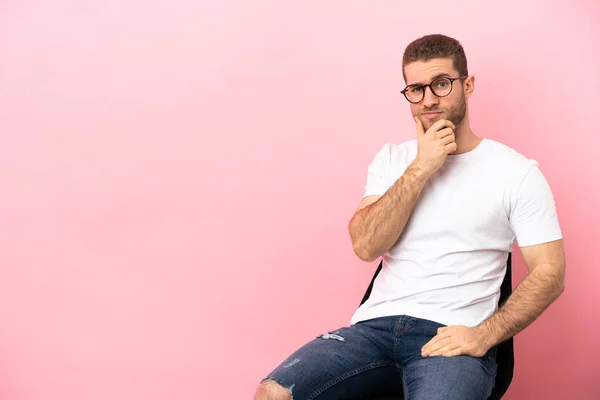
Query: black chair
x=505 y=354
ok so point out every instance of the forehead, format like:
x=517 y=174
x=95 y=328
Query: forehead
x=425 y=71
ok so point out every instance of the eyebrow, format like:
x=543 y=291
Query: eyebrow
x=442 y=75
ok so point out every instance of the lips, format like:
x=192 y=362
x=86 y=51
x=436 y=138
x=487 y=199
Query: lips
x=432 y=114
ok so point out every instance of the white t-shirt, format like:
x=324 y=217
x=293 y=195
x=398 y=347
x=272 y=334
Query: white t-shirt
x=451 y=257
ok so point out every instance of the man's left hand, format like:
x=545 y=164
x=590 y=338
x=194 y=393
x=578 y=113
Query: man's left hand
x=453 y=341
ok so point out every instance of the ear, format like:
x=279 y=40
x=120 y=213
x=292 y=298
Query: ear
x=469 y=86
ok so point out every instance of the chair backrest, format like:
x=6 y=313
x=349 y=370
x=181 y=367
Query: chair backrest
x=505 y=353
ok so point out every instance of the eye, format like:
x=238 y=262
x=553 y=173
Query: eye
x=415 y=89
x=442 y=83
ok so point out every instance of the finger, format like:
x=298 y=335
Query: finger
x=445 y=331
x=451 y=147
x=441 y=124
x=431 y=342
x=438 y=344
x=448 y=124
x=437 y=125
x=448 y=139
x=448 y=349
x=456 y=352
x=420 y=127
x=440 y=336
x=444 y=132
x=428 y=345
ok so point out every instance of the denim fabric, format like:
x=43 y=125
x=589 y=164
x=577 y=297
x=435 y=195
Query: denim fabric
x=382 y=356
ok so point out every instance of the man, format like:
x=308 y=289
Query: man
x=443 y=211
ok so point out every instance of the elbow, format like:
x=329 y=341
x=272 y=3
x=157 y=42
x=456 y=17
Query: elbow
x=363 y=253
x=561 y=286
x=360 y=245
x=558 y=287
x=558 y=291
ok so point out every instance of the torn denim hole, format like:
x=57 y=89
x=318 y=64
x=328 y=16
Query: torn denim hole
x=331 y=335
x=288 y=388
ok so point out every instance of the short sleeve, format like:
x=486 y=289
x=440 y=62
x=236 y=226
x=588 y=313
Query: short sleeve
x=533 y=215
x=377 y=174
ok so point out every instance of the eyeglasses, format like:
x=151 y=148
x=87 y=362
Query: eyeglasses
x=441 y=87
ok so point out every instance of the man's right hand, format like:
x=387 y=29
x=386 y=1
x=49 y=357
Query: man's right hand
x=435 y=144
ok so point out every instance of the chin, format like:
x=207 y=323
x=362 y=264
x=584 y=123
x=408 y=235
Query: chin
x=429 y=122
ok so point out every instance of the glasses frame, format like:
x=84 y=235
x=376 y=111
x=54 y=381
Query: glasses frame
x=431 y=88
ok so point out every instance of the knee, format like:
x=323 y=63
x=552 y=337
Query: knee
x=271 y=390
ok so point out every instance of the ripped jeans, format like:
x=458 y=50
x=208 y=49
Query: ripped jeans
x=380 y=357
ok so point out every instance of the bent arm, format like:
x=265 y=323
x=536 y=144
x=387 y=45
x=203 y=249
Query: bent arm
x=542 y=286
x=380 y=220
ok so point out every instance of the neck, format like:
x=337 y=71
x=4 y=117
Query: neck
x=466 y=140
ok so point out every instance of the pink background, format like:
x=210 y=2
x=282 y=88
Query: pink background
x=177 y=178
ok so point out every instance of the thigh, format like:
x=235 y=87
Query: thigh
x=351 y=362
x=450 y=378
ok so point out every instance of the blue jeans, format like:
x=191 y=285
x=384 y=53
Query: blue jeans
x=382 y=356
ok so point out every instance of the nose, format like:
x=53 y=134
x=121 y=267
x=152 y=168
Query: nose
x=429 y=99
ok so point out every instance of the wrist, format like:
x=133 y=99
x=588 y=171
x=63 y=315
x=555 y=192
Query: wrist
x=420 y=170
x=485 y=336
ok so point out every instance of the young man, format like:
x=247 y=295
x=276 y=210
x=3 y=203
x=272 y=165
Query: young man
x=443 y=211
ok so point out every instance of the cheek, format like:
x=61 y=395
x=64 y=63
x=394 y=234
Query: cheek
x=451 y=101
x=458 y=96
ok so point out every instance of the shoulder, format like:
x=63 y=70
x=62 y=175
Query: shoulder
x=510 y=161
x=519 y=175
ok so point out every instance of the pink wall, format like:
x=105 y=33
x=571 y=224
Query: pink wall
x=177 y=178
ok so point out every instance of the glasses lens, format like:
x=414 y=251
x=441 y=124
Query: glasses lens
x=441 y=87
x=414 y=94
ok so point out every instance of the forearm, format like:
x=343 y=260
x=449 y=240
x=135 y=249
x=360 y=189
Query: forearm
x=533 y=295
x=375 y=228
